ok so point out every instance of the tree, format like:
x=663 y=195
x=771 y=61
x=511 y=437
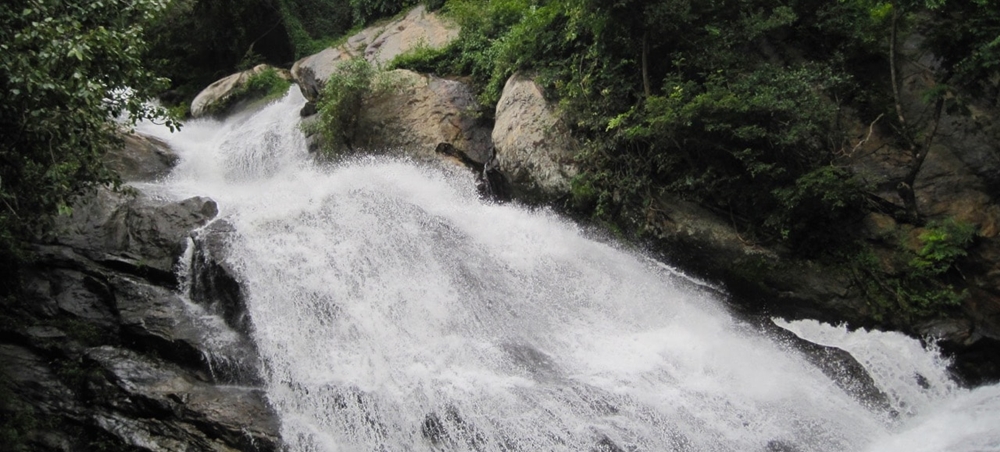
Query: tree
x=965 y=36
x=71 y=78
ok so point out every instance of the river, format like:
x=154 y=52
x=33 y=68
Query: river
x=394 y=310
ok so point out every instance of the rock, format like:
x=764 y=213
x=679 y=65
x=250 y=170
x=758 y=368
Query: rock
x=141 y=159
x=417 y=28
x=214 y=283
x=422 y=112
x=215 y=96
x=312 y=72
x=75 y=293
x=762 y=279
x=837 y=364
x=378 y=44
x=534 y=146
x=878 y=226
x=200 y=413
x=490 y=182
x=33 y=381
x=158 y=320
x=134 y=234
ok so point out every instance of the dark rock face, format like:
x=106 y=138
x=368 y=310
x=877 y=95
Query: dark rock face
x=134 y=234
x=837 y=364
x=104 y=351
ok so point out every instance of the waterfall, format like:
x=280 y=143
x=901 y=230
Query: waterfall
x=394 y=310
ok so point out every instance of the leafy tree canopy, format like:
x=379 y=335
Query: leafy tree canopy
x=71 y=78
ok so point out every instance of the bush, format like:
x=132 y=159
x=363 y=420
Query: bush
x=340 y=103
x=925 y=287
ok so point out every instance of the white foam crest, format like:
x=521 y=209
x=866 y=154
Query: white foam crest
x=914 y=377
x=965 y=423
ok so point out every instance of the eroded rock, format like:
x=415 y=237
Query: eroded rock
x=142 y=158
x=102 y=351
x=238 y=417
x=214 y=98
x=417 y=28
x=378 y=44
x=533 y=144
x=134 y=234
x=420 y=113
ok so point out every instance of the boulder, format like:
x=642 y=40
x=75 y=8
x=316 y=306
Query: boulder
x=200 y=414
x=533 y=144
x=214 y=284
x=763 y=279
x=421 y=112
x=141 y=159
x=158 y=320
x=378 y=44
x=217 y=95
x=133 y=233
x=312 y=72
x=418 y=28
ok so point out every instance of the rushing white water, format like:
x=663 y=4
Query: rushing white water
x=396 y=311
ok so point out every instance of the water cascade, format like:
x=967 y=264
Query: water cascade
x=396 y=311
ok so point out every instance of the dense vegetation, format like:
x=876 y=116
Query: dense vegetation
x=66 y=70
x=736 y=104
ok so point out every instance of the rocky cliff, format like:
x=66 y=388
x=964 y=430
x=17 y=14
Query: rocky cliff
x=111 y=347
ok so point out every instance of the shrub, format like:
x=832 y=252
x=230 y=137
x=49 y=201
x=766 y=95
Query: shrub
x=340 y=103
x=925 y=286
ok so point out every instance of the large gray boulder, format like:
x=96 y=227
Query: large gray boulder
x=421 y=112
x=533 y=144
x=417 y=28
x=141 y=158
x=107 y=348
x=379 y=44
x=218 y=96
x=244 y=421
x=134 y=233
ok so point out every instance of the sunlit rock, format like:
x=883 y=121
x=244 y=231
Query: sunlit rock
x=534 y=146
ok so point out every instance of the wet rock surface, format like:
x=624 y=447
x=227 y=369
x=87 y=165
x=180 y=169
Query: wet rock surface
x=141 y=158
x=107 y=350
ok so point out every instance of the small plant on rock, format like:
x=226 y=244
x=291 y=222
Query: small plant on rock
x=342 y=99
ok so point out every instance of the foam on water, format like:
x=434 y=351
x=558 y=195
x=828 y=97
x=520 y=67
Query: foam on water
x=396 y=311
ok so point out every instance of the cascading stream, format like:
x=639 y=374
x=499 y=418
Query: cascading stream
x=396 y=311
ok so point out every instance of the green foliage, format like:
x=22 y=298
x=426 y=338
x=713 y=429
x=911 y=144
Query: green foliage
x=813 y=214
x=66 y=70
x=366 y=11
x=942 y=243
x=484 y=37
x=312 y=25
x=921 y=285
x=419 y=58
x=966 y=36
x=340 y=103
